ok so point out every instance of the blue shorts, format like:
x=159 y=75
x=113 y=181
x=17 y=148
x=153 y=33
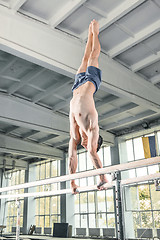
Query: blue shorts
x=92 y=74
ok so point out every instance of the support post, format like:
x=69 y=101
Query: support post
x=25 y=208
x=18 y=203
x=63 y=186
x=119 y=214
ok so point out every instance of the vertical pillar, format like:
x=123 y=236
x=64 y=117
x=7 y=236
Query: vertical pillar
x=18 y=203
x=128 y=215
x=63 y=186
x=3 y=205
x=70 y=204
x=1 y=177
x=115 y=159
x=31 y=201
x=25 y=208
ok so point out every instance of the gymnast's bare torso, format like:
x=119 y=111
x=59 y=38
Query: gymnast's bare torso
x=83 y=113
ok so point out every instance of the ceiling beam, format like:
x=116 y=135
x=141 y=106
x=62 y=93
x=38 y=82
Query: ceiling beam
x=116 y=79
x=10 y=129
x=93 y=8
x=115 y=14
x=61 y=143
x=28 y=115
x=61 y=104
x=29 y=134
x=49 y=137
x=10 y=62
x=138 y=37
x=106 y=100
x=129 y=120
x=18 y=146
x=16 y=4
x=145 y=62
x=118 y=111
x=65 y=11
x=155 y=79
x=51 y=90
x=26 y=79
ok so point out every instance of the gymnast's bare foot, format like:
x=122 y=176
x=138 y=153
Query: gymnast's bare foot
x=103 y=181
x=74 y=188
x=90 y=30
x=95 y=27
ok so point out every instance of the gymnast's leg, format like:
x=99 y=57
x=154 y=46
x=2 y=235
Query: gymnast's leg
x=93 y=131
x=87 y=52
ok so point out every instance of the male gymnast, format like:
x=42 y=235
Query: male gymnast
x=83 y=115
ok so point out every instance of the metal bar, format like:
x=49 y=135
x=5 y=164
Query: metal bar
x=140 y=179
x=54 y=192
x=82 y=189
x=110 y=169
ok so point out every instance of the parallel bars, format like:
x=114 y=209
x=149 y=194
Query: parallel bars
x=110 y=169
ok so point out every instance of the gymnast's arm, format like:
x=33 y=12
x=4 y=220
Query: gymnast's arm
x=73 y=161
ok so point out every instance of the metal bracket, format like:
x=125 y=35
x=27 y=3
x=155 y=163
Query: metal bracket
x=157 y=184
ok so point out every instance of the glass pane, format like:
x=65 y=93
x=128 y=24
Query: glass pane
x=138 y=148
x=77 y=221
x=42 y=223
x=76 y=203
x=37 y=221
x=12 y=222
x=82 y=161
x=144 y=197
x=54 y=205
x=90 y=181
x=132 y=173
x=100 y=154
x=136 y=220
x=155 y=196
x=58 y=203
x=89 y=162
x=54 y=169
x=107 y=156
x=153 y=169
x=7 y=225
x=102 y=220
x=101 y=201
x=132 y=194
x=141 y=171
x=158 y=136
x=92 y=221
x=156 y=217
x=47 y=221
x=146 y=219
x=22 y=175
x=83 y=202
x=129 y=145
x=47 y=205
x=42 y=171
x=41 y=206
x=83 y=182
x=111 y=220
x=54 y=219
x=84 y=221
x=110 y=200
x=37 y=172
x=21 y=221
x=47 y=169
x=91 y=202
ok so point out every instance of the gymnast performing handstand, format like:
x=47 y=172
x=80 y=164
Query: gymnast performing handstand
x=83 y=115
